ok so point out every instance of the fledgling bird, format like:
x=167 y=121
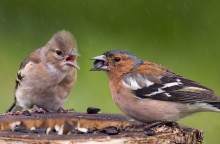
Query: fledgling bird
x=148 y=92
x=47 y=75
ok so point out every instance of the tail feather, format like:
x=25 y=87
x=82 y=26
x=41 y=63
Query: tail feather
x=215 y=105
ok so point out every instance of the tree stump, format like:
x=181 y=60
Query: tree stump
x=82 y=128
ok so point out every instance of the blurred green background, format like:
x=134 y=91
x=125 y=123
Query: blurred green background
x=182 y=35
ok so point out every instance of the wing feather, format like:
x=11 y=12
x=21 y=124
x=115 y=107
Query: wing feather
x=169 y=87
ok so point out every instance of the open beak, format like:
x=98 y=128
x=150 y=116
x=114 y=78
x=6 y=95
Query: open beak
x=100 y=63
x=71 y=60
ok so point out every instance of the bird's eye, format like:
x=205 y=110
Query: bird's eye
x=58 y=52
x=117 y=59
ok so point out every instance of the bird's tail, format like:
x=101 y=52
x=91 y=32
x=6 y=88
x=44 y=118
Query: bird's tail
x=14 y=108
x=215 y=105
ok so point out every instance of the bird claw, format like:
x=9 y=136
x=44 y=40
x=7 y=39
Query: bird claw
x=37 y=109
x=62 y=110
x=171 y=124
x=13 y=113
x=160 y=123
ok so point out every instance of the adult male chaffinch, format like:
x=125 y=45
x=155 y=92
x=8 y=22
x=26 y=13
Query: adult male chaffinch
x=148 y=92
x=47 y=75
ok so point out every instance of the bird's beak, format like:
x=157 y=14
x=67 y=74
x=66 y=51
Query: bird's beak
x=71 y=60
x=100 y=63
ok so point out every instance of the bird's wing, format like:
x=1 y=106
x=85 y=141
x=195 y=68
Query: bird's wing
x=33 y=58
x=169 y=87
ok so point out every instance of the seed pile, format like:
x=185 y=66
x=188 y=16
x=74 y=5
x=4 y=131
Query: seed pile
x=67 y=127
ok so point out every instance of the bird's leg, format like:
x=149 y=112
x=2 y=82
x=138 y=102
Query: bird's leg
x=61 y=110
x=160 y=123
x=151 y=125
x=37 y=109
x=171 y=123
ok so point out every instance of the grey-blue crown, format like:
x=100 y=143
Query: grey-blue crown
x=137 y=60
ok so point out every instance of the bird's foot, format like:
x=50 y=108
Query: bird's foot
x=148 y=129
x=13 y=113
x=62 y=110
x=37 y=109
x=160 y=123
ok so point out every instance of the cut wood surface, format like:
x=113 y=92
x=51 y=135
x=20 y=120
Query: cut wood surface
x=77 y=128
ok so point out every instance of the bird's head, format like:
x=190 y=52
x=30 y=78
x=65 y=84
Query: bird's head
x=61 y=51
x=116 y=61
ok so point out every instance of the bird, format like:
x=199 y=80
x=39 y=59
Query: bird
x=148 y=92
x=47 y=76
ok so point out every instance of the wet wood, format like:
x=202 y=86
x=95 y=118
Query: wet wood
x=72 y=128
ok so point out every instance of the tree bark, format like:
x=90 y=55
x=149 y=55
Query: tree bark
x=81 y=128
